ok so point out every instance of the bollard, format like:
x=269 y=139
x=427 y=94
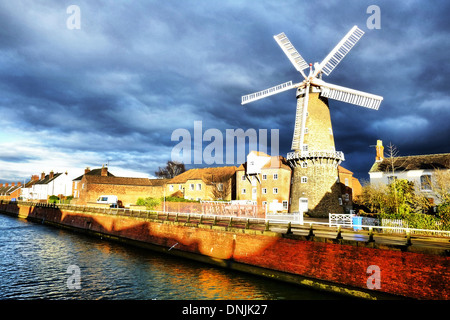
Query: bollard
x=371 y=234
x=267 y=227
x=247 y=224
x=339 y=234
x=289 y=231
x=231 y=222
x=408 y=237
x=311 y=233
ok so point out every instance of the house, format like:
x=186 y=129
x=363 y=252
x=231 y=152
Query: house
x=10 y=191
x=76 y=183
x=264 y=180
x=58 y=184
x=127 y=190
x=422 y=170
x=350 y=188
x=216 y=183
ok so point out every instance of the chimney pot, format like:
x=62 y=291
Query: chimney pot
x=51 y=175
x=87 y=170
x=42 y=175
x=380 y=151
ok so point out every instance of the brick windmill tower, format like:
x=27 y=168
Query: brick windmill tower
x=314 y=160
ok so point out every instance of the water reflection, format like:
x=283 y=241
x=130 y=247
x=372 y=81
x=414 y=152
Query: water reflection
x=34 y=259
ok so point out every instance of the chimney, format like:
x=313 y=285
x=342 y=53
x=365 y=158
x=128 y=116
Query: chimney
x=42 y=175
x=35 y=177
x=19 y=184
x=6 y=185
x=12 y=184
x=1 y=185
x=380 y=151
x=51 y=175
x=86 y=170
x=104 y=171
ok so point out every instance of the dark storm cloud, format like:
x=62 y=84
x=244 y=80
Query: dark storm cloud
x=136 y=71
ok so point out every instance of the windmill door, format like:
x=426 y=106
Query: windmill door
x=303 y=204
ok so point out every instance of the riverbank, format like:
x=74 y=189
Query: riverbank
x=335 y=266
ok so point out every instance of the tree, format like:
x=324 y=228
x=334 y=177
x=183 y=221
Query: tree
x=222 y=185
x=172 y=169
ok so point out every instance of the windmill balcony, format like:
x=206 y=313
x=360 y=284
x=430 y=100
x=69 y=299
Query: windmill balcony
x=338 y=155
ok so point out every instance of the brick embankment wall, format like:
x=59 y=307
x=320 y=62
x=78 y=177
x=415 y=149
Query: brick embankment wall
x=319 y=263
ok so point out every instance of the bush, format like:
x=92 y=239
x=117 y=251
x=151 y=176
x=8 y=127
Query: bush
x=149 y=203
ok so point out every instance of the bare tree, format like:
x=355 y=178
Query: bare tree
x=222 y=185
x=172 y=169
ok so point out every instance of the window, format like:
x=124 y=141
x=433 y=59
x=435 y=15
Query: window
x=180 y=187
x=264 y=203
x=391 y=179
x=171 y=187
x=254 y=190
x=275 y=190
x=264 y=176
x=304 y=164
x=340 y=201
x=243 y=191
x=425 y=182
x=264 y=190
x=220 y=187
x=275 y=176
x=191 y=186
x=285 y=204
x=304 y=179
x=243 y=177
x=306 y=130
x=305 y=147
x=346 y=182
x=199 y=186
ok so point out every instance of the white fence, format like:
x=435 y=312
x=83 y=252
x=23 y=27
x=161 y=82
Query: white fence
x=396 y=225
x=296 y=217
x=343 y=219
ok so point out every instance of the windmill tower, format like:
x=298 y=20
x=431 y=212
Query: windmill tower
x=314 y=160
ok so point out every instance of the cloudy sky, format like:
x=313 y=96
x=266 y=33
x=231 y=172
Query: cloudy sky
x=114 y=90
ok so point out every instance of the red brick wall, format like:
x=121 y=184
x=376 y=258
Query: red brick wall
x=410 y=274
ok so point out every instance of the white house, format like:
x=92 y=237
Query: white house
x=420 y=169
x=58 y=184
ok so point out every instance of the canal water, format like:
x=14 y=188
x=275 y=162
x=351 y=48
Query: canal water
x=42 y=262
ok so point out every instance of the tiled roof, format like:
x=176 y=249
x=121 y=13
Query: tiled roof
x=47 y=179
x=93 y=172
x=123 y=180
x=430 y=161
x=203 y=174
x=8 y=190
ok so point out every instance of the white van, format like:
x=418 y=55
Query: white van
x=111 y=200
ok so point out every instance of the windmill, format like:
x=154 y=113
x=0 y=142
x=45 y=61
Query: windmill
x=314 y=159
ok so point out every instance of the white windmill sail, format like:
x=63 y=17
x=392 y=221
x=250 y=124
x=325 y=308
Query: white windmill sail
x=267 y=92
x=293 y=55
x=352 y=96
x=338 y=53
x=300 y=122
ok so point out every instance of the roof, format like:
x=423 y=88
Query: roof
x=204 y=174
x=47 y=179
x=419 y=162
x=280 y=162
x=343 y=170
x=9 y=189
x=94 y=179
x=93 y=172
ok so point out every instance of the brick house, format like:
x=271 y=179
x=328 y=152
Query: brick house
x=265 y=180
x=127 y=190
x=350 y=188
x=76 y=183
x=203 y=184
x=10 y=191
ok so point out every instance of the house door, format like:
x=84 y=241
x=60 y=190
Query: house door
x=303 y=204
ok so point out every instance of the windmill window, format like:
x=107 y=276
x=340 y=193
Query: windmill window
x=306 y=130
x=305 y=147
x=304 y=164
x=304 y=179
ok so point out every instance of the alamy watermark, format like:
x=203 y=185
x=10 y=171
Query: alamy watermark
x=374 y=21
x=374 y=280
x=220 y=150
x=74 y=20
x=74 y=280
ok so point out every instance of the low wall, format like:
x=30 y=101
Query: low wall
x=320 y=263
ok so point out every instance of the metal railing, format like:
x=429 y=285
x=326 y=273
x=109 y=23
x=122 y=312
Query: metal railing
x=310 y=229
